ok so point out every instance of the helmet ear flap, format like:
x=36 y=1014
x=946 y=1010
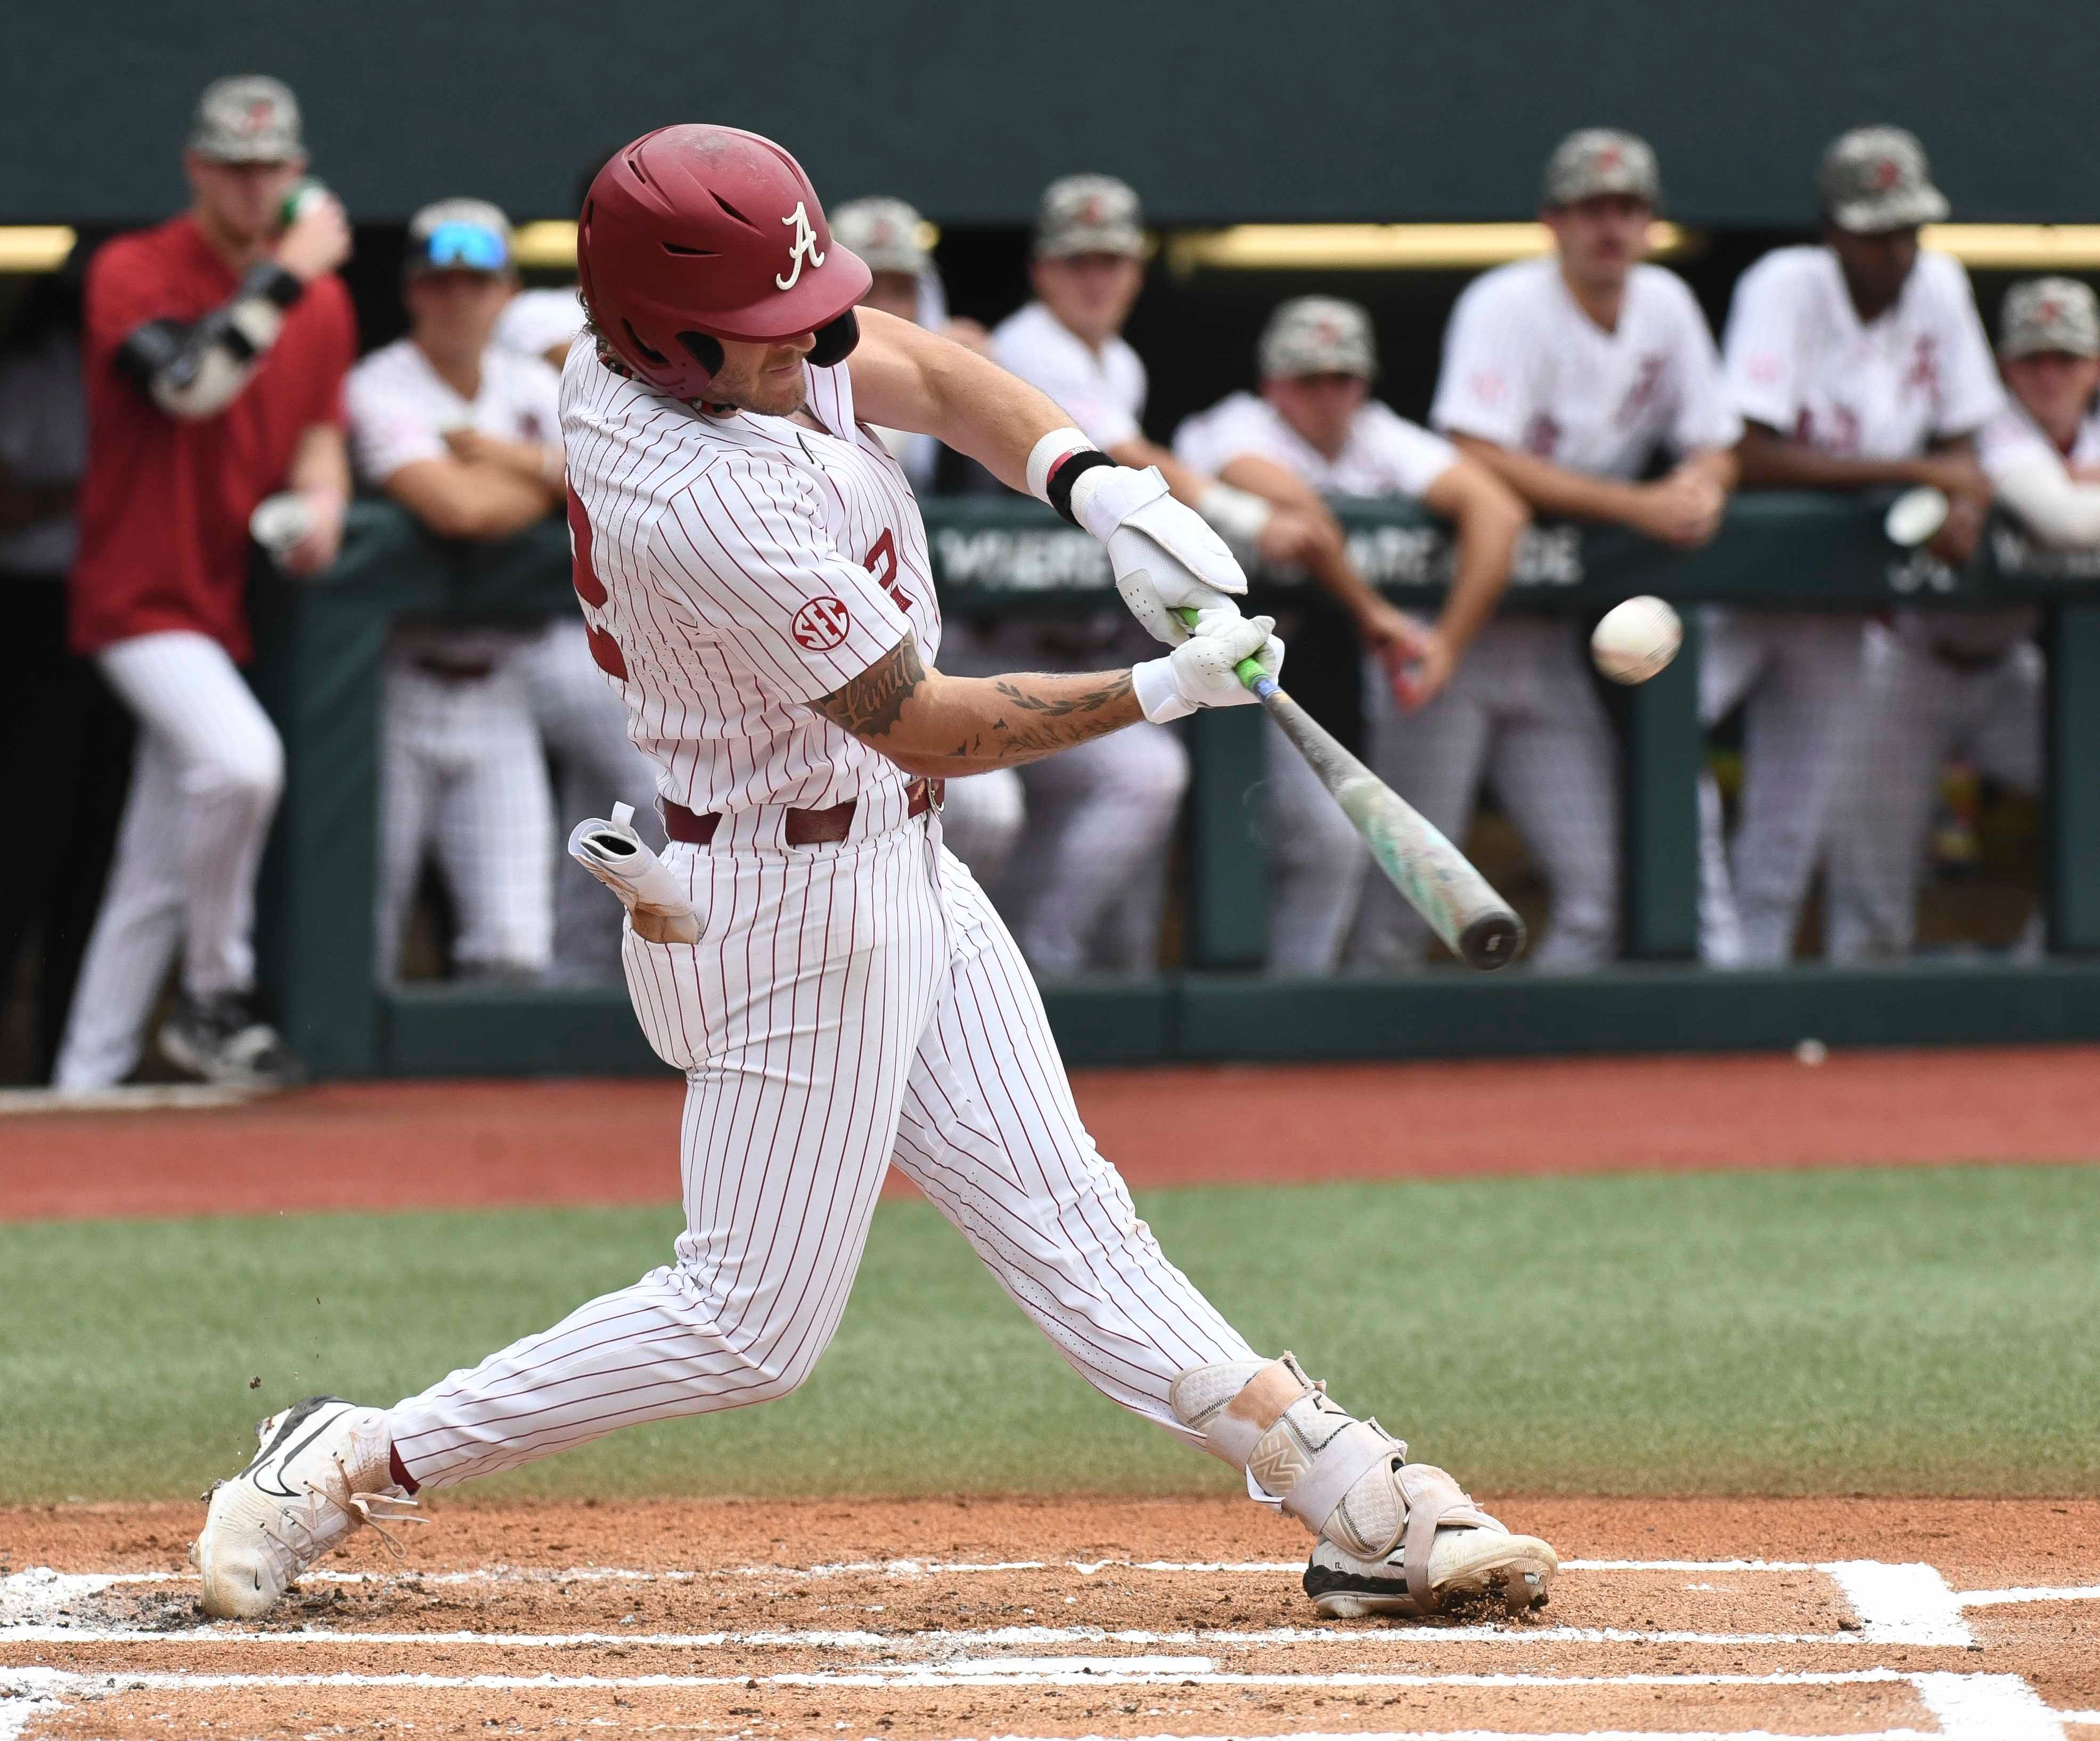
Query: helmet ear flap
x=706 y=351
x=835 y=340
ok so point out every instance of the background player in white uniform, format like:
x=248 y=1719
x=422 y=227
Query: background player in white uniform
x=580 y=720
x=1314 y=431
x=1856 y=363
x=465 y=434
x=753 y=568
x=1939 y=684
x=1565 y=376
x=1099 y=818
x=982 y=815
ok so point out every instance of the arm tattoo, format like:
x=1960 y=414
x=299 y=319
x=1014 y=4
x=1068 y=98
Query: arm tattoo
x=873 y=702
x=1017 y=719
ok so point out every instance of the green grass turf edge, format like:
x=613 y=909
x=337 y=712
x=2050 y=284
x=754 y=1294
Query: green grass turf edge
x=1870 y=1331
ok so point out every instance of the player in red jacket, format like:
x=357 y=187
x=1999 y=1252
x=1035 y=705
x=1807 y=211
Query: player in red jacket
x=216 y=350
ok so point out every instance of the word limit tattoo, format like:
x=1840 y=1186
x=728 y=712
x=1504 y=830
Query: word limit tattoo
x=996 y=721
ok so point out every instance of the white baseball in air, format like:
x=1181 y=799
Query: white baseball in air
x=1635 y=640
x=1915 y=516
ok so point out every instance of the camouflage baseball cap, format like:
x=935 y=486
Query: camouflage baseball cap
x=1599 y=160
x=883 y=232
x=2049 y=314
x=247 y=119
x=1876 y=179
x=1317 y=335
x=1089 y=214
x=458 y=236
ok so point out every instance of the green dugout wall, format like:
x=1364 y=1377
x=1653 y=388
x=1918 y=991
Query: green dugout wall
x=1218 y=112
x=318 y=671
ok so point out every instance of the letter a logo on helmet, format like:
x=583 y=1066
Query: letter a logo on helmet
x=678 y=251
x=804 y=247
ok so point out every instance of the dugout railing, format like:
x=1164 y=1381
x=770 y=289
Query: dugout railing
x=318 y=667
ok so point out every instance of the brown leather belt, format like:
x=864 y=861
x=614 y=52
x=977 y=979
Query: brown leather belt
x=454 y=669
x=802 y=827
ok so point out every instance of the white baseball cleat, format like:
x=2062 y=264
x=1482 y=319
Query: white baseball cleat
x=322 y=1469
x=1465 y=1566
x=1396 y=1537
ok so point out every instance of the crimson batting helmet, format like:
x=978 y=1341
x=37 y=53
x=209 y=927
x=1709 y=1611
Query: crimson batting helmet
x=696 y=234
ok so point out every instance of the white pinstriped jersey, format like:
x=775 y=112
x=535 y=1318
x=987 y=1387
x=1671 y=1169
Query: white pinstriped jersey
x=732 y=570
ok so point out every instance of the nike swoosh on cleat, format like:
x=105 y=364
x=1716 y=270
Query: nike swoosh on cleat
x=297 y=1417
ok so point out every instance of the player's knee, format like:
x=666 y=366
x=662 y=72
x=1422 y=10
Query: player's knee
x=248 y=770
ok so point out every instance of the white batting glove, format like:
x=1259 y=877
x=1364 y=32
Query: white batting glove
x=619 y=858
x=1166 y=556
x=1203 y=672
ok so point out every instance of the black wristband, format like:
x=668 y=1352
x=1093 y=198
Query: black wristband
x=273 y=283
x=1058 y=486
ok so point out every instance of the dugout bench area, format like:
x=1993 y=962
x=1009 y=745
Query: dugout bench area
x=317 y=670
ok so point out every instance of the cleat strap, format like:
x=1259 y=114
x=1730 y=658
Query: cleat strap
x=1311 y=1485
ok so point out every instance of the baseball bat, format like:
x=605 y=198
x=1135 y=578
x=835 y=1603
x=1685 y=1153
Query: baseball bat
x=1432 y=875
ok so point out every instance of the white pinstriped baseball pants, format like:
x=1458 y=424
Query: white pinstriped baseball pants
x=462 y=774
x=848 y=1008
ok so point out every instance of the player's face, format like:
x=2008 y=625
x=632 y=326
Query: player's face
x=1319 y=407
x=456 y=311
x=2056 y=387
x=894 y=293
x=765 y=378
x=240 y=201
x=1600 y=240
x=1090 y=293
x=1875 y=266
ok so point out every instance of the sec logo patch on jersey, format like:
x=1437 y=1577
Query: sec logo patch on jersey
x=821 y=625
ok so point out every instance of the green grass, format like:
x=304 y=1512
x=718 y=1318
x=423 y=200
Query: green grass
x=1886 y=1331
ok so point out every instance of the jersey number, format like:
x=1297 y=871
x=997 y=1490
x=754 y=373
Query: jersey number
x=881 y=563
x=604 y=651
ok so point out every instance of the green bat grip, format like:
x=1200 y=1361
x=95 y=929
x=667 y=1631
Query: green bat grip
x=1248 y=670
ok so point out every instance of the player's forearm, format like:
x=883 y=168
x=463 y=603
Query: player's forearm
x=1718 y=466
x=1770 y=460
x=321 y=462
x=929 y=723
x=456 y=500
x=537 y=462
x=1489 y=527
x=907 y=379
x=1553 y=492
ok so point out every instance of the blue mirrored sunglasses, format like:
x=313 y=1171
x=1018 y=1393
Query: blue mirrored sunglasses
x=466 y=246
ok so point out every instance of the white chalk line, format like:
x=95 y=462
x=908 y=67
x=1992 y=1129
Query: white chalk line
x=921 y=1640
x=1969 y=1708
x=1046 y=1671
x=2057 y=1592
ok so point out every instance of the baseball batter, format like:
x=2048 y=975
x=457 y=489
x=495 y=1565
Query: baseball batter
x=755 y=576
x=1314 y=431
x=1857 y=363
x=983 y=814
x=1566 y=377
x=465 y=434
x=1938 y=683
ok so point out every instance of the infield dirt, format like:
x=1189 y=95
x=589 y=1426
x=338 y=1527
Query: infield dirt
x=935 y=1618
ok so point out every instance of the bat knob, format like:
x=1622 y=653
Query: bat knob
x=1492 y=941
